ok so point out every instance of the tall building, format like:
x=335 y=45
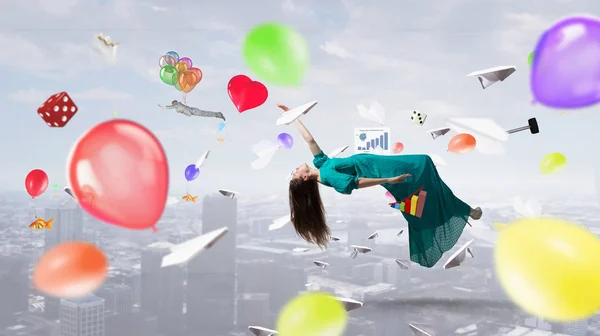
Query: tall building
x=211 y=285
x=82 y=317
x=575 y=328
x=14 y=287
x=118 y=307
x=67 y=226
x=162 y=291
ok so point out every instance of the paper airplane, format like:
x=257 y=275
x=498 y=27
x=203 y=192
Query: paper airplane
x=308 y=285
x=280 y=222
x=373 y=235
x=69 y=191
x=334 y=153
x=404 y=264
x=265 y=150
x=375 y=113
x=339 y=221
x=334 y=238
x=105 y=47
x=359 y=249
x=438 y=132
x=490 y=76
x=399 y=233
x=489 y=135
x=301 y=249
x=458 y=257
x=321 y=264
x=528 y=209
x=260 y=331
x=228 y=193
x=417 y=331
x=188 y=250
x=350 y=304
x=201 y=160
x=288 y=117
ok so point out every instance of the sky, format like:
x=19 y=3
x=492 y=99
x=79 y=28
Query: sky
x=408 y=55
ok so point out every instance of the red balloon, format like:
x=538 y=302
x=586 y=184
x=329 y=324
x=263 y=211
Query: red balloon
x=398 y=147
x=36 y=182
x=118 y=172
x=245 y=93
x=462 y=143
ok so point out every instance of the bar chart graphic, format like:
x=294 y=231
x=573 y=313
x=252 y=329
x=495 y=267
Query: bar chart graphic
x=372 y=140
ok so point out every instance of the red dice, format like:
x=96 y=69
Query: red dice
x=58 y=110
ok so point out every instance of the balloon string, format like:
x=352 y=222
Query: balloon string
x=35 y=212
x=187 y=183
x=185 y=98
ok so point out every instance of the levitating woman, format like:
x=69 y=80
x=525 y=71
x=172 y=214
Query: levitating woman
x=443 y=217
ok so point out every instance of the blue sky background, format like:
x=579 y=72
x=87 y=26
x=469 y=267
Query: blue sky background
x=405 y=54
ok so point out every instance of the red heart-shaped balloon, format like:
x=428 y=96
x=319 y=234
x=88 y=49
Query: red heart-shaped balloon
x=245 y=93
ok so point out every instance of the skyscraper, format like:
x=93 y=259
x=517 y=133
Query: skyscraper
x=211 y=288
x=82 y=317
x=162 y=293
x=575 y=328
x=67 y=226
x=14 y=287
x=118 y=307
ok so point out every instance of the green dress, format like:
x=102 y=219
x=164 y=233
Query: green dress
x=444 y=215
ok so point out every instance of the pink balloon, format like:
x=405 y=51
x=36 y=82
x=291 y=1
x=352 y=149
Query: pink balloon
x=390 y=196
x=118 y=172
x=187 y=61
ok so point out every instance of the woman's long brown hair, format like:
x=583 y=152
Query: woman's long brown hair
x=307 y=212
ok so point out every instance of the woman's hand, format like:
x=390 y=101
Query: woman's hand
x=398 y=179
x=283 y=107
x=161 y=107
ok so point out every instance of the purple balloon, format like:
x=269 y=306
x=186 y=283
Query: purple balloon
x=187 y=61
x=566 y=64
x=285 y=140
x=191 y=172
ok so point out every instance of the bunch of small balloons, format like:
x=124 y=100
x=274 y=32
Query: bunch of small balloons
x=178 y=72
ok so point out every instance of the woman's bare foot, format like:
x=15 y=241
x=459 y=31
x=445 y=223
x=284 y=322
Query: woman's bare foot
x=476 y=213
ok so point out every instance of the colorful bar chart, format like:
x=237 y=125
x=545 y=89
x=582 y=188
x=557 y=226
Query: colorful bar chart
x=372 y=140
x=412 y=205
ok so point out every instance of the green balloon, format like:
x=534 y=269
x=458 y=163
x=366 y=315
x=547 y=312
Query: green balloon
x=168 y=74
x=177 y=86
x=277 y=54
x=530 y=58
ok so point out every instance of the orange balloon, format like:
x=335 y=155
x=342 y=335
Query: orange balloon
x=181 y=67
x=187 y=81
x=398 y=147
x=70 y=270
x=198 y=73
x=462 y=143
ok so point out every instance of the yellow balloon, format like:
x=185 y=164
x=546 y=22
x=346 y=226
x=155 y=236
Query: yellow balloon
x=312 y=314
x=181 y=67
x=550 y=268
x=553 y=163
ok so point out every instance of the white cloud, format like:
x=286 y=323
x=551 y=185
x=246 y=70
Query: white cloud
x=334 y=49
x=289 y=7
x=58 y=7
x=522 y=32
x=98 y=94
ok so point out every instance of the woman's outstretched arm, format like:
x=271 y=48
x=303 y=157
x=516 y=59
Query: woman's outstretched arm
x=312 y=144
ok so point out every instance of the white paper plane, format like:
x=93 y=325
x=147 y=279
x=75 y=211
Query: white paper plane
x=339 y=221
x=399 y=233
x=228 y=193
x=490 y=76
x=528 y=209
x=261 y=331
x=308 y=285
x=288 y=117
x=489 y=135
x=201 y=160
x=373 y=235
x=280 y=222
x=350 y=304
x=375 y=112
x=458 y=257
x=359 y=249
x=300 y=249
x=321 y=264
x=105 y=47
x=69 y=191
x=265 y=150
x=404 y=264
x=188 y=250
x=417 y=331
x=334 y=153
x=438 y=132
x=334 y=238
